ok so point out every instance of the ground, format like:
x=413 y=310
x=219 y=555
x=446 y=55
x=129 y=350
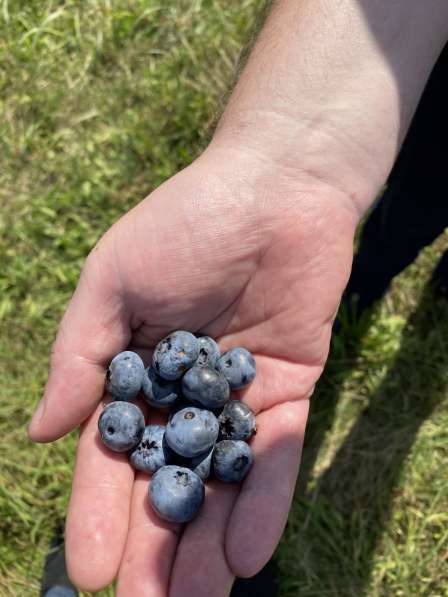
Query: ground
x=101 y=102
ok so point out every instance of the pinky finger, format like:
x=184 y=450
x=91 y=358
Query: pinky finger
x=150 y=548
x=262 y=508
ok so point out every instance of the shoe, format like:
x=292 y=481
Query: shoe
x=263 y=584
x=55 y=581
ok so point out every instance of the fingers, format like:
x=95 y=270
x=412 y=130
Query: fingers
x=98 y=515
x=201 y=568
x=279 y=381
x=150 y=548
x=262 y=508
x=92 y=331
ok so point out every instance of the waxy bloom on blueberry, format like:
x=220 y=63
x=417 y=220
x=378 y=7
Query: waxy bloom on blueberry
x=206 y=386
x=152 y=452
x=175 y=354
x=237 y=421
x=176 y=493
x=121 y=425
x=125 y=375
x=192 y=431
x=232 y=460
x=238 y=367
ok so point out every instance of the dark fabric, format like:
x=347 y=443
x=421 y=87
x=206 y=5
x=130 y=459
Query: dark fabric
x=263 y=584
x=413 y=210
x=55 y=581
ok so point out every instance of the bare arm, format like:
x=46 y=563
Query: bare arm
x=331 y=86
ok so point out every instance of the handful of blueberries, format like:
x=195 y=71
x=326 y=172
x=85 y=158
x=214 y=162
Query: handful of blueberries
x=206 y=430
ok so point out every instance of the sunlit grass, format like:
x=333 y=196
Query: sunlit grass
x=101 y=102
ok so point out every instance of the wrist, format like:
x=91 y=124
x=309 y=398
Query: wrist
x=270 y=194
x=330 y=88
x=306 y=153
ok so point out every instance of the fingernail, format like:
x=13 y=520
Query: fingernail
x=38 y=414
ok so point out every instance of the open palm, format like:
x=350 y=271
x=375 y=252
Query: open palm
x=257 y=260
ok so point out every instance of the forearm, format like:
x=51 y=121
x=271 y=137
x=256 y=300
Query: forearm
x=330 y=88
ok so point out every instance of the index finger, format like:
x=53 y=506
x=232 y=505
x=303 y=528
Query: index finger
x=93 y=329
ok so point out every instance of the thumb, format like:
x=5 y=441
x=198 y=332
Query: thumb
x=93 y=329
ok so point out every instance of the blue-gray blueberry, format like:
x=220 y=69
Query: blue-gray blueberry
x=125 y=376
x=209 y=352
x=238 y=367
x=232 y=460
x=121 y=425
x=159 y=392
x=192 y=431
x=175 y=354
x=236 y=421
x=152 y=452
x=176 y=493
x=201 y=465
x=206 y=386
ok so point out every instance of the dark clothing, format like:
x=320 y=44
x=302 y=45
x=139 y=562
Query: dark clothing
x=413 y=210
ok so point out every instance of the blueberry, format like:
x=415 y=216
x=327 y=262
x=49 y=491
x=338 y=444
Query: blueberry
x=206 y=386
x=232 y=460
x=237 y=421
x=200 y=465
x=159 y=392
x=192 y=431
x=238 y=367
x=152 y=452
x=176 y=493
x=181 y=404
x=125 y=375
x=121 y=425
x=175 y=354
x=209 y=352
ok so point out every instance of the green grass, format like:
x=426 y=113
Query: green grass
x=101 y=101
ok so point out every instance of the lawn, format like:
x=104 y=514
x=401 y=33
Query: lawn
x=101 y=101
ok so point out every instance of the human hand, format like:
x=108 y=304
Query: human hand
x=258 y=260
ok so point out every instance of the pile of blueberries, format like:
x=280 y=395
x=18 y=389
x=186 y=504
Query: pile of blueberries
x=207 y=431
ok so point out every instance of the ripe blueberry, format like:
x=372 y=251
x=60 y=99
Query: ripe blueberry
x=121 y=425
x=176 y=493
x=125 y=375
x=159 y=392
x=175 y=354
x=238 y=367
x=209 y=352
x=192 y=431
x=232 y=460
x=152 y=452
x=206 y=386
x=237 y=421
x=200 y=465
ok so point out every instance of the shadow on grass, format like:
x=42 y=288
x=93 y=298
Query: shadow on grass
x=339 y=521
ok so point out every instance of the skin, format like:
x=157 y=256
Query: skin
x=267 y=216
